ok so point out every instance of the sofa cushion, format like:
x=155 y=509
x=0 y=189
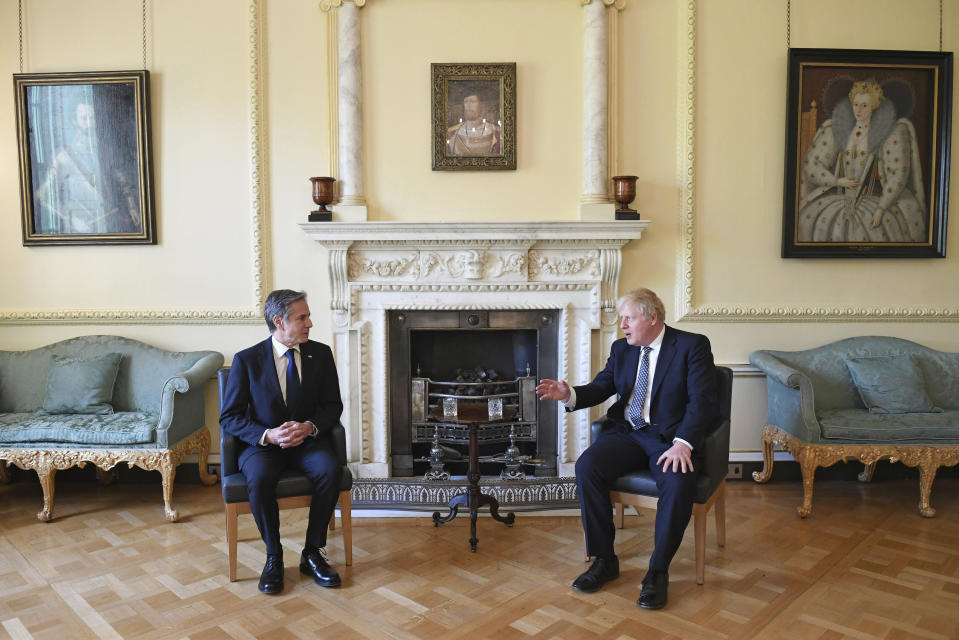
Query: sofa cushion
x=890 y=384
x=76 y=385
x=123 y=428
x=857 y=425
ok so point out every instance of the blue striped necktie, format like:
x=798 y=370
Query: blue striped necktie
x=639 y=394
x=292 y=383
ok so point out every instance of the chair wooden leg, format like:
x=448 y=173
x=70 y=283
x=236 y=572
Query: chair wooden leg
x=699 y=523
x=620 y=515
x=231 y=535
x=346 y=516
x=333 y=521
x=720 y=507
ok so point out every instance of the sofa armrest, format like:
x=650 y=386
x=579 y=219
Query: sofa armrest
x=182 y=415
x=791 y=397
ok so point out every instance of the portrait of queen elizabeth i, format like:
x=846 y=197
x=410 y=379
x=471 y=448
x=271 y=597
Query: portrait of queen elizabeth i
x=861 y=178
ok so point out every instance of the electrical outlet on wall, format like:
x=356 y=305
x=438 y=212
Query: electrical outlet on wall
x=735 y=471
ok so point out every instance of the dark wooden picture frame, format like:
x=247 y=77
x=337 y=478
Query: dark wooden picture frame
x=876 y=184
x=86 y=168
x=473 y=116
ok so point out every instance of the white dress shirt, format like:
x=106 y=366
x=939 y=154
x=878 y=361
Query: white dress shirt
x=279 y=359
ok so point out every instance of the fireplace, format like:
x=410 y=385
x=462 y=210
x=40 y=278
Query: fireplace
x=479 y=279
x=499 y=352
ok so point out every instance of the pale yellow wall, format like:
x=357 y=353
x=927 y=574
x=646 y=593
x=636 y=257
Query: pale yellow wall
x=199 y=58
x=402 y=37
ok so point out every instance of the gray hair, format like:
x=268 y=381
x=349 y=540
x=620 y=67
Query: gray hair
x=278 y=304
x=645 y=302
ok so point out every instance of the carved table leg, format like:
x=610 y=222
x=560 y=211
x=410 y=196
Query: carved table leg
x=168 y=471
x=459 y=500
x=473 y=538
x=46 y=473
x=767 y=472
x=927 y=473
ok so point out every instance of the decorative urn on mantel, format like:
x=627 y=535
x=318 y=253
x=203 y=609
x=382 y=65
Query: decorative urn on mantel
x=624 y=192
x=323 y=194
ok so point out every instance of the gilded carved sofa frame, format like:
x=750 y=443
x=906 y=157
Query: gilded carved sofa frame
x=166 y=386
x=805 y=386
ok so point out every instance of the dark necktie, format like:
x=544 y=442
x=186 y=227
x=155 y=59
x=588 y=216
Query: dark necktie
x=639 y=394
x=292 y=383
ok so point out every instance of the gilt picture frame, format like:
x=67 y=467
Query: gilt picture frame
x=473 y=119
x=867 y=154
x=85 y=153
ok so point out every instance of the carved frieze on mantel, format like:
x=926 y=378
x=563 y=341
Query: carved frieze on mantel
x=553 y=264
x=368 y=265
x=440 y=252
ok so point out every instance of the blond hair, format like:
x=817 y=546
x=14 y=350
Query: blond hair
x=870 y=88
x=645 y=302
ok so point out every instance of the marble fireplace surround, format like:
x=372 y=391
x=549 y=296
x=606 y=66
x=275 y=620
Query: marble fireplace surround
x=376 y=267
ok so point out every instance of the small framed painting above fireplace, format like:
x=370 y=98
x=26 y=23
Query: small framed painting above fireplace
x=473 y=116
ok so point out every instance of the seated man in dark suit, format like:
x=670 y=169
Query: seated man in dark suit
x=281 y=400
x=664 y=380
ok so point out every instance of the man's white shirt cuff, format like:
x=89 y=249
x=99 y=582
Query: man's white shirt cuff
x=571 y=403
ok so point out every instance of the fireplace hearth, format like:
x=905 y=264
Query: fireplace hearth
x=456 y=355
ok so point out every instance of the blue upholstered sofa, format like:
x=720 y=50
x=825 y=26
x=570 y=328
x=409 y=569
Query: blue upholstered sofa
x=103 y=400
x=863 y=398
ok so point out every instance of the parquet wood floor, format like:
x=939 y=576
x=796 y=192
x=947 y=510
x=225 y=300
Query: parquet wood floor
x=865 y=565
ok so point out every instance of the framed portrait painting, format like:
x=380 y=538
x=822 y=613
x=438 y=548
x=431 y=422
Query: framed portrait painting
x=473 y=116
x=86 y=171
x=867 y=154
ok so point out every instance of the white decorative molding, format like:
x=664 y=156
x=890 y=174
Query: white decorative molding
x=327 y=5
x=542 y=264
x=618 y=4
x=376 y=267
x=259 y=231
x=687 y=305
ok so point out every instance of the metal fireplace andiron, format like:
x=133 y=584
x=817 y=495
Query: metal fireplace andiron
x=506 y=410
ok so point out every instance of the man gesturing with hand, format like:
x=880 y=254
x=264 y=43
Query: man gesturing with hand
x=665 y=383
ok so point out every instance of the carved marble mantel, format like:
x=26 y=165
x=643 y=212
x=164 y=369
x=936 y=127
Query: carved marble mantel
x=378 y=266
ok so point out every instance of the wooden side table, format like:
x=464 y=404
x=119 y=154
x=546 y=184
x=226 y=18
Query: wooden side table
x=472 y=498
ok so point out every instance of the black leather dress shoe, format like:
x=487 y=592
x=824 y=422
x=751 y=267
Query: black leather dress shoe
x=313 y=563
x=602 y=571
x=271 y=580
x=653 y=595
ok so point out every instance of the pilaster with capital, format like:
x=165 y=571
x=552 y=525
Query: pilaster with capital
x=595 y=171
x=349 y=109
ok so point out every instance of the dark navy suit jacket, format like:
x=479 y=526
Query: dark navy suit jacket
x=253 y=402
x=683 y=403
